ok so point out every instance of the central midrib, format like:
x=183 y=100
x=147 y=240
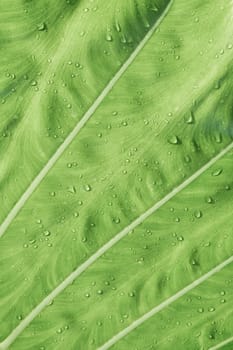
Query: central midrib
x=37 y=180
x=28 y=319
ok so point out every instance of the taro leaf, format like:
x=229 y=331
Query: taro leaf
x=116 y=175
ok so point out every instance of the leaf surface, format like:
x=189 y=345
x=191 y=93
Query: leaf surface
x=137 y=206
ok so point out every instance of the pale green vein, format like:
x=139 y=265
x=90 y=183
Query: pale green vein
x=69 y=279
x=35 y=183
x=223 y=343
x=166 y=303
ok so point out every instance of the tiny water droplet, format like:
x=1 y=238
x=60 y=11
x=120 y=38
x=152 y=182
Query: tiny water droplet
x=118 y=27
x=217 y=172
x=87 y=188
x=41 y=27
x=198 y=214
x=71 y=189
x=209 y=200
x=174 y=140
x=187 y=159
x=190 y=118
x=211 y=309
x=218 y=138
x=109 y=37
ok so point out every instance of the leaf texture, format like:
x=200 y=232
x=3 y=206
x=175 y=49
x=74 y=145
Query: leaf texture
x=138 y=205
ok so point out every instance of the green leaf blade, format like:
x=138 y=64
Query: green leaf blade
x=134 y=152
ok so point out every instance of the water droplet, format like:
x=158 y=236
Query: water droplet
x=42 y=27
x=217 y=172
x=209 y=200
x=87 y=188
x=53 y=194
x=109 y=37
x=131 y=294
x=218 y=138
x=174 y=140
x=211 y=309
x=100 y=292
x=47 y=233
x=71 y=189
x=194 y=262
x=201 y=310
x=187 y=159
x=87 y=295
x=118 y=27
x=117 y=220
x=198 y=214
x=190 y=118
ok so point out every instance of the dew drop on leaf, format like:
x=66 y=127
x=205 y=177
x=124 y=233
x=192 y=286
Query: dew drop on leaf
x=198 y=214
x=190 y=118
x=72 y=189
x=87 y=188
x=174 y=140
x=209 y=200
x=118 y=27
x=211 y=309
x=109 y=37
x=217 y=172
x=42 y=27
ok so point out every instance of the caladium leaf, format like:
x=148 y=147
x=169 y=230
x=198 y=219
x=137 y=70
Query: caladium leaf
x=116 y=174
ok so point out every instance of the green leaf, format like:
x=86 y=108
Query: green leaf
x=116 y=174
